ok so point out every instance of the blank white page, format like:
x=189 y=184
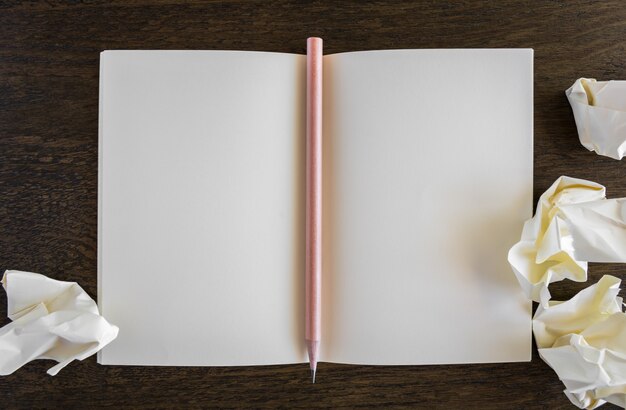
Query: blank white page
x=201 y=210
x=427 y=182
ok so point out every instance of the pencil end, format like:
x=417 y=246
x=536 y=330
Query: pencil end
x=313 y=350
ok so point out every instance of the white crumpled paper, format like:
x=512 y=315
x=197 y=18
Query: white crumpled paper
x=574 y=224
x=51 y=319
x=600 y=112
x=584 y=341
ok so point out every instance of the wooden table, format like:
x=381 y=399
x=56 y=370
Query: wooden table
x=48 y=172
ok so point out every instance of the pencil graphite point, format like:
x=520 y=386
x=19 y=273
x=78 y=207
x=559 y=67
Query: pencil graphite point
x=313 y=350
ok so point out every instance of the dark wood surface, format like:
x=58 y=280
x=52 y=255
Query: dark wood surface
x=48 y=172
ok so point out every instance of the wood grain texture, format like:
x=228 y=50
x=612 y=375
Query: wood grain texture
x=49 y=55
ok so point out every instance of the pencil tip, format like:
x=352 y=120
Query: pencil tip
x=313 y=350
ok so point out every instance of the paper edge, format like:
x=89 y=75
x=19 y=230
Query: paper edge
x=529 y=50
x=531 y=53
x=99 y=354
x=182 y=51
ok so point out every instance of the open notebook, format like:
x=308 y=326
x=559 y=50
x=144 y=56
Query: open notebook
x=427 y=178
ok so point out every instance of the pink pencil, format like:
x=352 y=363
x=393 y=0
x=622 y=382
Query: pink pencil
x=313 y=200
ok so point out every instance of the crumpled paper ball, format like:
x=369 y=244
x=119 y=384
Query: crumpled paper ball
x=545 y=253
x=584 y=341
x=600 y=112
x=51 y=319
x=574 y=224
